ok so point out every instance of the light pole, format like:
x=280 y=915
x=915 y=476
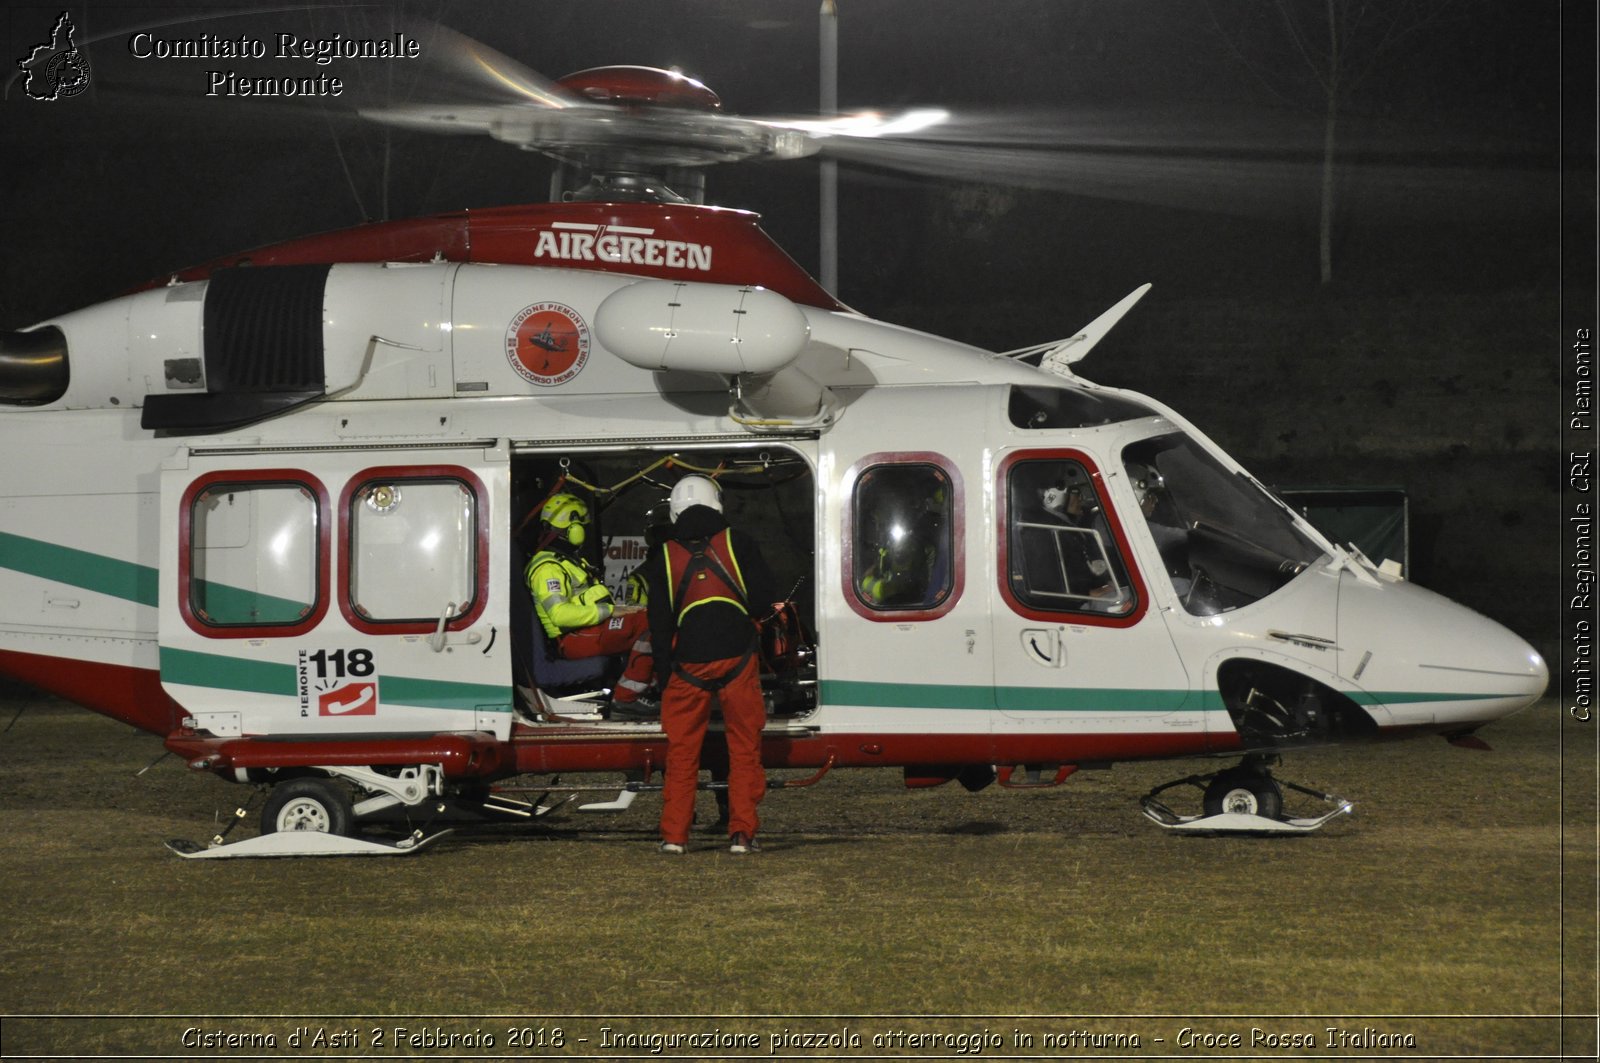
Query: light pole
x=828 y=208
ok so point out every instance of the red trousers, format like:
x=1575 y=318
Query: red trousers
x=685 y=711
x=628 y=633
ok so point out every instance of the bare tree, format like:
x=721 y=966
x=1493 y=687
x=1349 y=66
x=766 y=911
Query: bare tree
x=1318 y=53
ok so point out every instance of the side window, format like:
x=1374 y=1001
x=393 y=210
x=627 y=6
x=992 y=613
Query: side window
x=903 y=538
x=253 y=555
x=413 y=550
x=1061 y=555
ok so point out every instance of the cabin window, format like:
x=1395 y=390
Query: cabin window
x=253 y=554
x=1042 y=407
x=413 y=550
x=903 y=539
x=1061 y=555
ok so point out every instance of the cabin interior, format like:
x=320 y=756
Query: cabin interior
x=768 y=492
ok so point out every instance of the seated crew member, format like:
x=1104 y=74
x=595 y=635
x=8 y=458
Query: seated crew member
x=1084 y=557
x=577 y=611
x=904 y=554
x=902 y=573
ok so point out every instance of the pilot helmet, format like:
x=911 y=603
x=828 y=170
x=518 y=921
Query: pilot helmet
x=567 y=514
x=1148 y=484
x=1059 y=498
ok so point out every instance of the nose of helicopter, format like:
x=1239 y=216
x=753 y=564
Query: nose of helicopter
x=1429 y=662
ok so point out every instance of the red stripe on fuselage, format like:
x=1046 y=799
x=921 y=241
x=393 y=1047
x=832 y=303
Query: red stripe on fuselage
x=574 y=750
x=135 y=696
x=132 y=695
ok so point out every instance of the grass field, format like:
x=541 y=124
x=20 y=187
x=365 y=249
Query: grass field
x=1437 y=910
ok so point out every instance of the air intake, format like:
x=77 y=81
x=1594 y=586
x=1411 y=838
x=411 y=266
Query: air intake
x=263 y=350
x=264 y=329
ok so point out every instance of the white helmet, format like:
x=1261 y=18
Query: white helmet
x=693 y=491
x=1148 y=484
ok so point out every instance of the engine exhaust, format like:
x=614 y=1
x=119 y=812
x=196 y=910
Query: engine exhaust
x=33 y=366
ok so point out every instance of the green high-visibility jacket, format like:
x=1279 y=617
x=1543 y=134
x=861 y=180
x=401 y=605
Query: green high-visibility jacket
x=567 y=594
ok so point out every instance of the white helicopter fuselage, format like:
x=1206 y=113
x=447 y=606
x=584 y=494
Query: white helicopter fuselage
x=335 y=579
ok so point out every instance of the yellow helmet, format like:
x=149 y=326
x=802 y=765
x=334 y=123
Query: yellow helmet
x=566 y=514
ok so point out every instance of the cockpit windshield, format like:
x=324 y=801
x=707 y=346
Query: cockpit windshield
x=1224 y=540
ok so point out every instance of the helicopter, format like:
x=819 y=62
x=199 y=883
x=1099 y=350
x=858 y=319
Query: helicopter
x=277 y=506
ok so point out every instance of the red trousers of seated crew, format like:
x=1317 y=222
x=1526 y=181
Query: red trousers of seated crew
x=628 y=633
x=685 y=712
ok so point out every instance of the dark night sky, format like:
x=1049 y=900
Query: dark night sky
x=1431 y=361
x=145 y=174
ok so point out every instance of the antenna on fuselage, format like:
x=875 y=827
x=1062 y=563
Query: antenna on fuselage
x=1058 y=359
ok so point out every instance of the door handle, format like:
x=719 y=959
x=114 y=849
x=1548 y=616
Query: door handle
x=442 y=638
x=1045 y=645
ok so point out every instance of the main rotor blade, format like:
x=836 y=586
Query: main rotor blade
x=1256 y=165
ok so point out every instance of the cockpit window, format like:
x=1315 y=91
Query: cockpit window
x=1051 y=407
x=1224 y=540
x=1061 y=556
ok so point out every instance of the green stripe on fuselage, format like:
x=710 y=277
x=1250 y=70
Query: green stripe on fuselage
x=444 y=694
x=1073 y=699
x=139 y=583
x=80 y=568
x=235 y=606
x=1414 y=697
x=1018 y=699
x=221 y=672
x=218 y=671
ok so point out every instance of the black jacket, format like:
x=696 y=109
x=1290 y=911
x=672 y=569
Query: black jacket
x=718 y=630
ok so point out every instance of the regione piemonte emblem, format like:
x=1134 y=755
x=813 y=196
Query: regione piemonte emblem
x=547 y=344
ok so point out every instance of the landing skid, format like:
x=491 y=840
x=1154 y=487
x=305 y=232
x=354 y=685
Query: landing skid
x=623 y=800
x=302 y=843
x=1234 y=822
x=1239 y=801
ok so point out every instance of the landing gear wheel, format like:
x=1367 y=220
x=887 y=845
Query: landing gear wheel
x=1240 y=790
x=319 y=805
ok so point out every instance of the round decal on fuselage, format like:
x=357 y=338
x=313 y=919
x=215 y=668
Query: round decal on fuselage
x=547 y=344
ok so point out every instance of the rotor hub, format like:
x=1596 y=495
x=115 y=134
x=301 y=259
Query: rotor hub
x=641 y=87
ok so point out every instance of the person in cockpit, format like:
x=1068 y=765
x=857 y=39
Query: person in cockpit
x=1171 y=540
x=1084 y=555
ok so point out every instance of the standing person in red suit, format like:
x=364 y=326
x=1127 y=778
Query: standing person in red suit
x=707 y=588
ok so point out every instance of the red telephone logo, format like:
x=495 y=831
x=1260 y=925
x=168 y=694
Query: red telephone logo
x=354 y=699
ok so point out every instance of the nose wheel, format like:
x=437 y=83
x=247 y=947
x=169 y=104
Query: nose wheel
x=1244 y=799
x=1244 y=791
